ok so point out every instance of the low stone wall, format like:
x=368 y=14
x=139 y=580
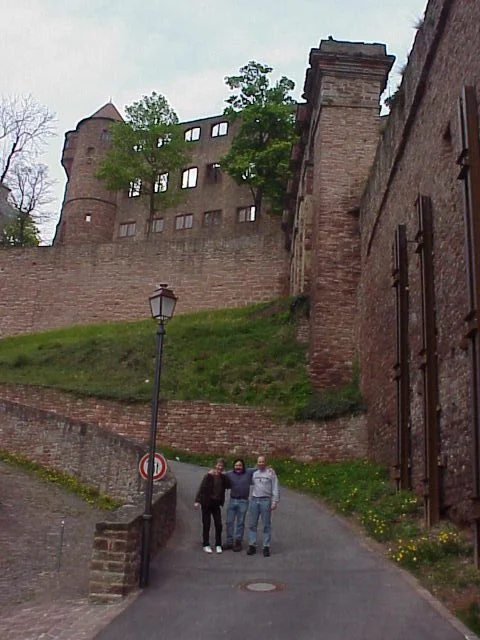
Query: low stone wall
x=205 y=427
x=107 y=461
x=115 y=567
x=95 y=456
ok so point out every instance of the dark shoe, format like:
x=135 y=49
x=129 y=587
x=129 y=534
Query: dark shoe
x=251 y=550
x=237 y=546
x=228 y=546
x=266 y=552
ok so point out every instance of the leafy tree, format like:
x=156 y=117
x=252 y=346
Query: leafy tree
x=25 y=127
x=260 y=152
x=20 y=232
x=145 y=150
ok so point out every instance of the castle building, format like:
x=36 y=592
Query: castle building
x=212 y=205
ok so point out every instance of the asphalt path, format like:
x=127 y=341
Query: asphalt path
x=330 y=585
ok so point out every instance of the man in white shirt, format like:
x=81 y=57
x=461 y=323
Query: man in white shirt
x=264 y=499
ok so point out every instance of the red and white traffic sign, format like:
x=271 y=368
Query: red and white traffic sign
x=159 y=466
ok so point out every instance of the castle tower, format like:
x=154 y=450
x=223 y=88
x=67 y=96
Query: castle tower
x=339 y=129
x=89 y=209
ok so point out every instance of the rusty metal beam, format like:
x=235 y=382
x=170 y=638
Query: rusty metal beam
x=402 y=368
x=469 y=161
x=429 y=363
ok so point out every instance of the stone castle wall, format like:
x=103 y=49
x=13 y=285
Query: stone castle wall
x=339 y=130
x=417 y=156
x=51 y=287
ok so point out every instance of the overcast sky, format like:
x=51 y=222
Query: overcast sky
x=75 y=55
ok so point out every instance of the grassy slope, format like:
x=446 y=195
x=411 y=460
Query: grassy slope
x=247 y=356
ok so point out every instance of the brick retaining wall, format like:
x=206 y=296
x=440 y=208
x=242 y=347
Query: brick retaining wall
x=100 y=458
x=207 y=427
x=115 y=566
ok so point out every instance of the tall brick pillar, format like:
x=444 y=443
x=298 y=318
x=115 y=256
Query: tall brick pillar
x=88 y=210
x=338 y=142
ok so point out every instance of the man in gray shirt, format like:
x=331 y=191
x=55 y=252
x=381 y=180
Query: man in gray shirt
x=264 y=499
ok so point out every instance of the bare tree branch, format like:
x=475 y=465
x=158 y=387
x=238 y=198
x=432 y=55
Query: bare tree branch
x=25 y=126
x=30 y=190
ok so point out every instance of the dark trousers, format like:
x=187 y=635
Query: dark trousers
x=210 y=511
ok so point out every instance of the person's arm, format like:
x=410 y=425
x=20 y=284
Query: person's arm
x=275 y=491
x=201 y=492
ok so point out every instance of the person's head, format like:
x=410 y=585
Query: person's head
x=261 y=462
x=220 y=465
x=239 y=466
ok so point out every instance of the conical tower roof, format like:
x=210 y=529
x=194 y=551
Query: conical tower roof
x=109 y=110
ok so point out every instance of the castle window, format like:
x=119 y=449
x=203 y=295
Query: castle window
x=127 y=229
x=166 y=138
x=184 y=221
x=189 y=178
x=246 y=214
x=157 y=225
x=161 y=184
x=135 y=188
x=213 y=171
x=105 y=136
x=88 y=217
x=219 y=129
x=192 y=134
x=212 y=218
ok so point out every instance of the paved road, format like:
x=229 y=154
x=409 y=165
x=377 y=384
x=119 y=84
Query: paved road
x=333 y=585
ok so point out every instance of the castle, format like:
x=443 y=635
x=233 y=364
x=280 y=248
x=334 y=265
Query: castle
x=381 y=231
x=212 y=204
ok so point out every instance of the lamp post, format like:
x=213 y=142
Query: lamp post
x=162 y=305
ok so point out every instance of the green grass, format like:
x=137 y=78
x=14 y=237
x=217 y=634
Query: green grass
x=248 y=356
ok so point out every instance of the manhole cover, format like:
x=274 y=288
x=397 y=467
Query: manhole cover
x=262 y=587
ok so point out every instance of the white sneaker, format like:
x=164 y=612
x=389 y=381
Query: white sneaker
x=208 y=549
x=218 y=549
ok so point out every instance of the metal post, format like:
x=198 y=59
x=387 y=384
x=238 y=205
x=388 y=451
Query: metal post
x=429 y=365
x=469 y=161
x=60 y=545
x=402 y=366
x=147 y=514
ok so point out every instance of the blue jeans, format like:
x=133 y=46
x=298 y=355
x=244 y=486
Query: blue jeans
x=236 y=511
x=260 y=507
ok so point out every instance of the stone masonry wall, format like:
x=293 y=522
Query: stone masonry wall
x=95 y=456
x=205 y=427
x=102 y=459
x=51 y=287
x=116 y=556
x=418 y=156
x=340 y=132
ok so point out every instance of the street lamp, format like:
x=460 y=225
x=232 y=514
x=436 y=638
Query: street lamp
x=162 y=305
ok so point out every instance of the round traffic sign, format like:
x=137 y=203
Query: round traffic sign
x=159 y=466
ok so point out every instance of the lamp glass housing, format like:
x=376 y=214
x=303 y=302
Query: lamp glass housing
x=162 y=303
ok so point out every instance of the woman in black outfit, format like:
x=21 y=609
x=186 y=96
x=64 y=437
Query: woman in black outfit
x=211 y=497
